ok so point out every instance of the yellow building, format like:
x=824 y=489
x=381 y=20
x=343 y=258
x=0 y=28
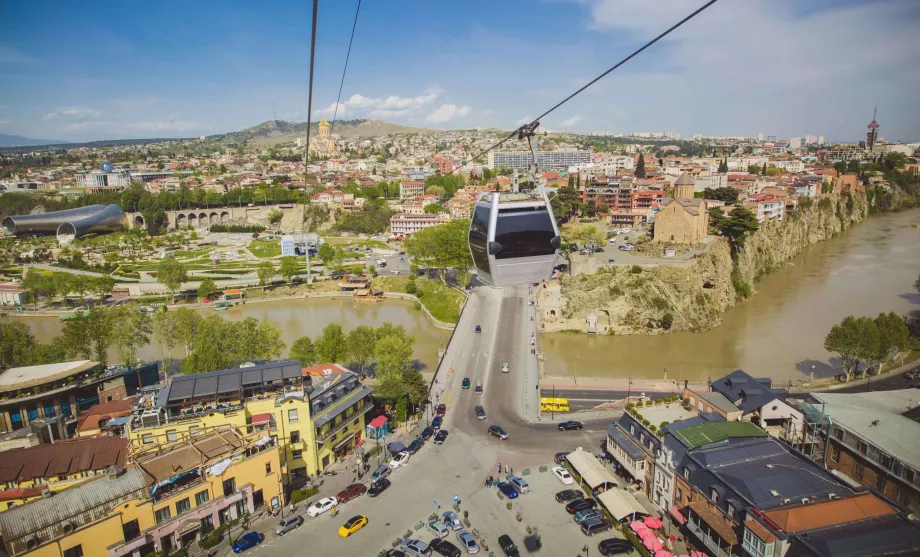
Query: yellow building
x=167 y=499
x=315 y=420
x=324 y=145
x=682 y=219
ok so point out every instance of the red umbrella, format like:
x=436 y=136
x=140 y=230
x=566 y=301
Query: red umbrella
x=652 y=543
x=663 y=553
x=638 y=526
x=697 y=554
x=653 y=522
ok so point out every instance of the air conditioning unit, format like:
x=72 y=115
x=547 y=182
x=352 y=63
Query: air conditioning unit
x=31 y=542
x=805 y=500
x=831 y=495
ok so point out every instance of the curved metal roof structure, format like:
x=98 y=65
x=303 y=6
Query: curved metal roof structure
x=68 y=224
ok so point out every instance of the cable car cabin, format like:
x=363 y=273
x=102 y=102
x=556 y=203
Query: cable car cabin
x=513 y=238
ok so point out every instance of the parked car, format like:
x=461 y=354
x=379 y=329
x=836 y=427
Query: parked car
x=399 y=459
x=508 y=547
x=595 y=526
x=444 y=547
x=519 y=483
x=480 y=413
x=508 y=490
x=246 y=541
x=586 y=514
x=451 y=519
x=567 y=495
x=321 y=506
x=497 y=431
x=467 y=541
x=436 y=423
x=418 y=548
x=396 y=553
x=506 y=367
x=465 y=383
x=615 y=546
x=379 y=486
x=559 y=458
x=438 y=528
x=414 y=446
x=478 y=329
x=570 y=425
x=354 y=524
x=350 y=492
x=478 y=389
x=441 y=409
x=580 y=505
x=426 y=433
x=288 y=524
x=380 y=472
x=440 y=437
x=563 y=475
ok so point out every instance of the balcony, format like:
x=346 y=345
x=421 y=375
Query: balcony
x=320 y=439
x=711 y=544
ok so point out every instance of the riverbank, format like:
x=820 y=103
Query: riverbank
x=650 y=300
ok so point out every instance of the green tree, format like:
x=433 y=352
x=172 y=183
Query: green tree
x=763 y=171
x=154 y=219
x=728 y=195
x=131 y=329
x=206 y=288
x=854 y=339
x=171 y=274
x=327 y=254
x=80 y=285
x=33 y=284
x=185 y=323
x=288 y=268
x=266 y=272
x=723 y=166
x=361 y=344
x=738 y=225
x=443 y=246
x=164 y=335
x=415 y=386
x=275 y=216
x=716 y=220
x=213 y=347
x=17 y=344
x=332 y=346
x=393 y=355
x=640 y=166
x=436 y=190
x=894 y=336
x=566 y=204
x=302 y=349
x=90 y=336
x=434 y=208
x=256 y=340
x=567 y=249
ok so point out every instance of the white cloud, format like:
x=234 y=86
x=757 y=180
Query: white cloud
x=524 y=120
x=569 y=122
x=73 y=112
x=86 y=125
x=447 y=112
x=388 y=107
x=172 y=124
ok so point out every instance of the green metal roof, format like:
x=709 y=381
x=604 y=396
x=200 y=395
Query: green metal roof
x=713 y=432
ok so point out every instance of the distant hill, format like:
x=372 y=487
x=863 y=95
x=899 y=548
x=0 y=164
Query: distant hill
x=19 y=141
x=90 y=144
x=281 y=131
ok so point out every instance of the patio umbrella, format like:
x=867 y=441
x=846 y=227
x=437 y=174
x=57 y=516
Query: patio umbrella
x=651 y=543
x=653 y=522
x=663 y=553
x=697 y=554
x=638 y=526
x=396 y=447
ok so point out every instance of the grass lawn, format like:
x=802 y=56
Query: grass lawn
x=342 y=241
x=441 y=300
x=265 y=248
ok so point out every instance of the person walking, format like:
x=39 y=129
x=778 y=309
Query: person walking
x=499 y=466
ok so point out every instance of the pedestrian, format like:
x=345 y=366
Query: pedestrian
x=292 y=508
x=499 y=466
x=512 y=471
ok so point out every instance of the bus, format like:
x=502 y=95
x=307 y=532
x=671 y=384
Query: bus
x=550 y=404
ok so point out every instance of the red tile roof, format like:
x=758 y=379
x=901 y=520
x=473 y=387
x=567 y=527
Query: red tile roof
x=20 y=493
x=63 y=457
x=829 y=513
x=90 y=419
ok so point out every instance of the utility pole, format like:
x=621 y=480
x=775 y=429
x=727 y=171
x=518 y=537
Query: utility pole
x=306 y=150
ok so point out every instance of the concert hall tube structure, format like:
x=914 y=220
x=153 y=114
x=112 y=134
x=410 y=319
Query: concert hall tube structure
x=69 y=224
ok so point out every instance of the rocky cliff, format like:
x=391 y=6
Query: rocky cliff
x=654 y=300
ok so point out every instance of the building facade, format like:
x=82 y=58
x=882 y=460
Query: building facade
x=545 y=159
x=410 y=188
x=404 y=225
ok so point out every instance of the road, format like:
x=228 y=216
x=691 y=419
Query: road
x=582 y=400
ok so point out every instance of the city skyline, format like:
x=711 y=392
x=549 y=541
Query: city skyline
x=735 y=70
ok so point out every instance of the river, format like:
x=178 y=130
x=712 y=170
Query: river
x=298 y=317
x=780 y=331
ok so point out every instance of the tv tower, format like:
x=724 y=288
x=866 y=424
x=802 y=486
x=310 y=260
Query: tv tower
x=872 y=130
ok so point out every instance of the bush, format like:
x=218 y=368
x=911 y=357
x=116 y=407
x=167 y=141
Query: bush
x=663 y=424
x=213 y=538
x=303 y=494
x=411 y=288
x=658 y=401
x=649 y=402
x=255 y=228
x=635 y=269
x=645 y=422
x=417 y=305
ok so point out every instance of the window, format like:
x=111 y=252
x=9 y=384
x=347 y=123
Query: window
x=295 y=437
x=171 y=435
x=862 y=447
x=642 y=437
x=201 y=498
x=880 y=482
x=838 y=434
x=858 y=472
x=131 y=530
x=162 y=515
x=686 y=473
x=147 y=438
x=297 y=454
x=75 y=551
x=909 y=475
x=182 y=506
x=835 y=453
x=632 y=429
x=885 y=461
x=680 y=496
x=714 y=495
x=292 y=415
x=229 y=486
x=268 y=468
x=731 y=511
x=755 y=546
x=194 y=430
x=895 y=492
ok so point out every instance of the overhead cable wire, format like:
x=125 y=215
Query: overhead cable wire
x=536 y=121
x=306 y=152
x=345 y=69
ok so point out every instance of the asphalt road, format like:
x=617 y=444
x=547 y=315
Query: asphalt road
x=886 y=383
x=581 y=400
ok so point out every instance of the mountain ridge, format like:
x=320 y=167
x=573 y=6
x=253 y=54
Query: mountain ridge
x=283 y=131
x=7 y=140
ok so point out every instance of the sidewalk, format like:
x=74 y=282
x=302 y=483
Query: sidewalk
x=615 y=383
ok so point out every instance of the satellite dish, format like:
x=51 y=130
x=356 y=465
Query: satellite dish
x=107 y=166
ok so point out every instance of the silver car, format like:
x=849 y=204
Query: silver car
x=438 y=528
x=519 y=483
x=381 y=472
x=416 y=547
x=451 y=519
x=467 y=541
x=288 y=524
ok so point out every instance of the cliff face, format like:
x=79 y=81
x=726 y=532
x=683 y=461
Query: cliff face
x=690 y=298
x=777 y=241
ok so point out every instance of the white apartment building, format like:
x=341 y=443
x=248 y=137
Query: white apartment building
x=768 y=209
x=711 y=181
x=790 y=166
x=744 y=162
x=412 y=207
x=411 y=188
x=114 y=179
x=545 y=159
x=404 y=225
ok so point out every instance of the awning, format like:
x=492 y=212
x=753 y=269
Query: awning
x=590 y=469
x=378 y=421
x=343 y=442
x=117 y=422
x=620 y=503
x=675 y=512
x=261 y=418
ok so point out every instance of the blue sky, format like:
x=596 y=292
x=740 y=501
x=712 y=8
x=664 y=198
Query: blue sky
x=78 y=71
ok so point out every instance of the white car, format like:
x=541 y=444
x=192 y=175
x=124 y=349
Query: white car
x=321 y=506
x=563 y=475
x=399 y=459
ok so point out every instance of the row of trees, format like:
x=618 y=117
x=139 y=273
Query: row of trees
x=387 y=349
x=39 y=284
x=442 y=247
x=867 y=341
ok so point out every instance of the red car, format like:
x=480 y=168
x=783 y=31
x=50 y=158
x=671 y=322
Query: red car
x=351 y=492
x=441 y=410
